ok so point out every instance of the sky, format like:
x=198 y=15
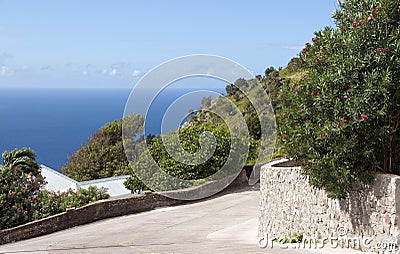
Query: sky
x=112 y=44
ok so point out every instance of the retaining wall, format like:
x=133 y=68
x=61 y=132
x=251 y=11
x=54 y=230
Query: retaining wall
x=290 y=205
x=96 y=211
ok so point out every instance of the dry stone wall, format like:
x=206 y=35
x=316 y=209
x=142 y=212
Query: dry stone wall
x=290 y=205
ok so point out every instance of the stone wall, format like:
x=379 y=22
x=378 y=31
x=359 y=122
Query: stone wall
x=290 y=205
x=86 y=214
x=96 y=211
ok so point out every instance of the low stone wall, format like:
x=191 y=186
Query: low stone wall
x=86 y=214
x=96 y=211
x=290 y=205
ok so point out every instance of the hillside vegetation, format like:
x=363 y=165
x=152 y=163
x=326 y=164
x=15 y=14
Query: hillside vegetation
x=337 y=108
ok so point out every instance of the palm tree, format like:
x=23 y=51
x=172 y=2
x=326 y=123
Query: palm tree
x=22 y=160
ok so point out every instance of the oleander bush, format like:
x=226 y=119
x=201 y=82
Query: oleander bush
x=341 y=120
x=18 y=196
x=22 y=194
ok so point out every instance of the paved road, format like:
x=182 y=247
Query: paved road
x=224 y=224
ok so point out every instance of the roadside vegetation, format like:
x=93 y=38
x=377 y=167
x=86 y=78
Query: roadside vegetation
x=337 y=107
x=22 y=195
x=338 y=115
x=340 y=119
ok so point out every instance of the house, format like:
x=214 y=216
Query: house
x=59 y=182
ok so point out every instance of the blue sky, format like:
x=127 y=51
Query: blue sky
x=99 y=43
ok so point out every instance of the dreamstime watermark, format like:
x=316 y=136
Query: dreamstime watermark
x=209 y=66
x=340 y=239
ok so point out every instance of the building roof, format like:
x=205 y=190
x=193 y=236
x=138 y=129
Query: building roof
x=114 y=185
x=59 y=182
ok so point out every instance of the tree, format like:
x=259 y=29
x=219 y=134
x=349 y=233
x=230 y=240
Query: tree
x=104 y=154
x=189 y=140
x=22 y=195
x=269 y=70
x=206 y=103
x=341 y=120
x=22 y=160
x=231 y=90
x=19 y=187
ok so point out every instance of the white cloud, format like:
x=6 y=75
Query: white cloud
x=116 y=66
x=113 y=72
x=5 y=71
x=120 y=65
x=136 y=73
x=89 y=69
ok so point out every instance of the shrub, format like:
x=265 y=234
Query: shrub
x=18 y=196
x=51 y=202
x=189 y=140
x=20 y=183
x=103 y=155
x=22 y=197
x=341 y=120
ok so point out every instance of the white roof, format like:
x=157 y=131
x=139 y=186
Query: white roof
x=115 y=185
x=59 y=182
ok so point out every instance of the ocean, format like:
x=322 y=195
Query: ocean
x=56 y=122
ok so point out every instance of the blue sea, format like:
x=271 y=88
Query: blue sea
x=56 y=122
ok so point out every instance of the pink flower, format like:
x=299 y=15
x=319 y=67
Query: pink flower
x=354 y=24
x=374 y=10
x=300 y=79
x=345 y=97
x=284 y=137
x=360 y=22
x=298 y=88
x=13 y=193
x=313 y=93
x=314 y=39
x=317 y=60
x=339 y=127
x=335 y=44
x=342 y=120
x=364 y=117
x=371 y=17
x=379 y=49
x=302 y=110
x=385 y=50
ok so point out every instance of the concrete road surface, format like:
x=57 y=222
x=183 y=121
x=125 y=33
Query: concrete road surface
x=224 y=224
